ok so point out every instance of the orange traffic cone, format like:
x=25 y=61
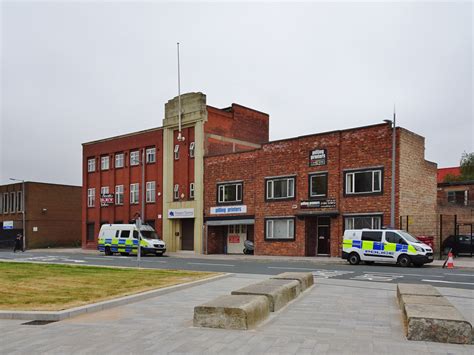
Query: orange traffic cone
x=450 y=261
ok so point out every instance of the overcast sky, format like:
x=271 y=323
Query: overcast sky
x=73 y=72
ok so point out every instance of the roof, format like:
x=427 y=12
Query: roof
x=443 y=172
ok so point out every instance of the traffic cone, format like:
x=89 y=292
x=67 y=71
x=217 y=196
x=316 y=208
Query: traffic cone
x=450 y=261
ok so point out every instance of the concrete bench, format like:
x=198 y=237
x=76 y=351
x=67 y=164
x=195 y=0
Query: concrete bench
x=306 y=279
x=278 y=292
x=232 y=312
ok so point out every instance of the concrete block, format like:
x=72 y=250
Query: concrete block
x=418 y=290
x=429 y=300
x=232 y=312
x=278 y=292
x=306 y=279
x=442 y=324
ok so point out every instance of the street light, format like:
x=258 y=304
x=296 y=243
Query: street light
x=392 y=195
x=23 y=212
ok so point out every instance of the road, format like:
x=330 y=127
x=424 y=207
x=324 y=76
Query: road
x=457 y=278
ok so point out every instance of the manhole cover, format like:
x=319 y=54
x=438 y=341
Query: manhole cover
x=39 y=322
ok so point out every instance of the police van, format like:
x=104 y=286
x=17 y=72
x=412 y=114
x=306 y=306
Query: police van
x=384 y=245
x=123 y=239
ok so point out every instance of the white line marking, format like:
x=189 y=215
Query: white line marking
x=450 y=282
x=459 y=274
x=210 y=264
x=154 y=261
x=290 y=268
x=392 y=274
x=108 y=259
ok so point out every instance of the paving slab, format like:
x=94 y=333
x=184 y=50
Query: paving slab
x=232 y=312
x=306 y=279
x=415 y=289
x=278 y=292
x=428 y=300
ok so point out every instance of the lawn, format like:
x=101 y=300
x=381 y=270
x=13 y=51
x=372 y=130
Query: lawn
x=49 y=287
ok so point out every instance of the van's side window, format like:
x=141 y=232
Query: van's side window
x=117 y=234
x=392 y=237
x=135 y=234
x=372 y=236
x=125 y=234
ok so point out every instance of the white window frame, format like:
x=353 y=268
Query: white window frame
x=150 y=191
x=151 y=155
x=91 y=197
x=270 y=185
x=19 y=201
x=176 y=152
x=6 y=204
x=119 y=160
x=176 y=192
x=221 y=192
x=191 y=190
x=119 y=194
x=12 y=202
x=104 y=162
x=90 y=165
x=134 y=193
x=311 y=184
x=192 y=148
x=134 y=158
x=270 y=232
x=376 y=221
x=350 y=181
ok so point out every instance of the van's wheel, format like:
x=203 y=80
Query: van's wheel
x=124 y=254
x=404 y=260
x=354 y=259
x=107 y=251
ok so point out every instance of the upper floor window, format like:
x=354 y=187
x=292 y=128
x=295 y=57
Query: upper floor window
x=91 y=165
x=151 y=155
x=119 y=160
x=176 y=152
x=191 y=190
x=134 y=193
x=12 y=202
x=150 y=191
x=280 y=188
x=459 y=197
x=91 y=197
x=191 y=149
x=363 y=182
x=119 y=195
x=135 y=157
x=104 y=163
x=318 y=185
x=176 y=192
x=230 y=192
x=19 y=201
x=6 y=205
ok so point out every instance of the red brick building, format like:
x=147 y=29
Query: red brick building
x=226 y=182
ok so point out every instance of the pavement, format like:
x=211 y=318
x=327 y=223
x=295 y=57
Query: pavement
x=334 y=317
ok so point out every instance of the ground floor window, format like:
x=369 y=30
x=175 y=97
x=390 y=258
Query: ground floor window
x=280 y=228
x=90 y=237
x=360 y=222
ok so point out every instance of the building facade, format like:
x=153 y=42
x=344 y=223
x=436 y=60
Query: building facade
x=52 y=214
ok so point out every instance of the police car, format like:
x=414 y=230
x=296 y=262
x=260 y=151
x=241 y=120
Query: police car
x=384 y=245
x=123 y=239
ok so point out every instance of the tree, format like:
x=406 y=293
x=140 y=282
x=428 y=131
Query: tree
x=467 y=166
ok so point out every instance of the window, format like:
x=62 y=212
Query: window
x=318 y=185
x=12 y=202
x=458 y=197
x=91 y=165
x=124 y=234
x=151 y=155
x=191 y=190
x=119 y=195
x=281 y=228
x=135 y=234
x=176 y=152
x=19 y=201
x=119 y=160
x=360 y=222
x=104 y=163
x=392 y=237
x=91 y=197
x=5 y=203
x=176 y=192
x=134 y=193
x=135 y=157
x=150 y=191
x=191 y=149
x=372 y=236
x=230 y=192
x=90 y=233
x=363 y=182
x=280 y=188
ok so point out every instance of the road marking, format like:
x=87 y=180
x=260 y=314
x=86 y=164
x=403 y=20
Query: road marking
x=154 y=261
x=459 y=274
x=326 y=274
x=378 y=277
x=98 y=258
x=450 y=282
x=208 y=264
x=290 y=268
x=52 y=258
x=389 y=273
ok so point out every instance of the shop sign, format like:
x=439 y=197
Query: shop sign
x=181 y=213
x=318 y=157
x=106 y=199
x=7 y=224
x=229 y=209
x=234 y=239
x=328 y=203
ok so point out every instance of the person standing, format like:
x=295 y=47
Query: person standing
x=18 y=243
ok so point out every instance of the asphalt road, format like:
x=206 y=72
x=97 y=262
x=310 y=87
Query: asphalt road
x=457 y=278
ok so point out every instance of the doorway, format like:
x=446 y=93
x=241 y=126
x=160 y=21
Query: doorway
x=323 y=236
x=187 y=234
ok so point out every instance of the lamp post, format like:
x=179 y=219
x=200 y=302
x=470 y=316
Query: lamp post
x=23 y=212
x=394 y=143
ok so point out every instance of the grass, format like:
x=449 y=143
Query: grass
x=50 y=287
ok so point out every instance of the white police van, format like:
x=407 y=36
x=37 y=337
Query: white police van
x=384 y=245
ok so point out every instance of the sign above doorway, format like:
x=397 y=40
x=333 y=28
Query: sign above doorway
x=181 y=213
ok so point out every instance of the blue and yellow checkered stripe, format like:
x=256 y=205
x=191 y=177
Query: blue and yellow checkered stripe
x=119 y=245
x=379 y=246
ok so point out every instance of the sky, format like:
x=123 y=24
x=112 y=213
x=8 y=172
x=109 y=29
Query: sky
x=73 y=72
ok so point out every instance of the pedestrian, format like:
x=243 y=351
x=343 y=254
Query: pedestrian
x=18 y=243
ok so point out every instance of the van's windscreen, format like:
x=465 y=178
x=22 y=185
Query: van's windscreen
x=409 y=237
x=149 y=235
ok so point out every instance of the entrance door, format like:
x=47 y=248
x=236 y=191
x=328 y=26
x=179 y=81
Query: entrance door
x=236 y=236
x=187 y=234
x=323 y=235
